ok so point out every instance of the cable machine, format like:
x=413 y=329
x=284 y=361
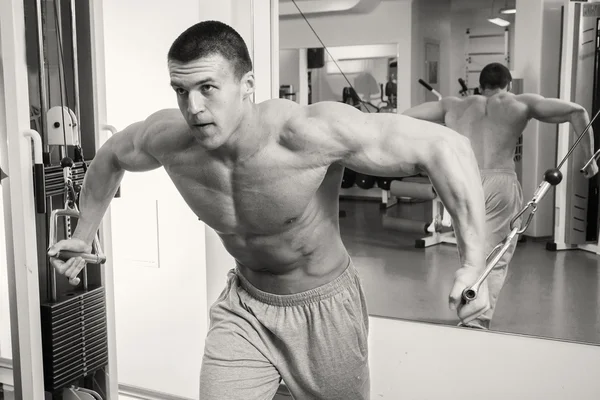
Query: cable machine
x=576 y=208
x=72 y=316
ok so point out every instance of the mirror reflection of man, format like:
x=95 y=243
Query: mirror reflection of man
x=493 y=122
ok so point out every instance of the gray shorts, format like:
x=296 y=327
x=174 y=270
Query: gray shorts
x=503 y=200
x=316 y=341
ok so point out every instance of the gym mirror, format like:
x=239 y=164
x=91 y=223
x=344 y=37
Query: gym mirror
x=403 y=245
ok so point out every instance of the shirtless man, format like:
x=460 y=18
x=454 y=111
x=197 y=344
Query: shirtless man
x=493 y=122
x=266 y=178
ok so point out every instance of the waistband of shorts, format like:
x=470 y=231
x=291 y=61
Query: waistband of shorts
x=497 y=171
x=338 y=285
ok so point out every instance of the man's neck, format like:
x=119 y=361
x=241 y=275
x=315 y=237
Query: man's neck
x=246 y=140
x=491 y=92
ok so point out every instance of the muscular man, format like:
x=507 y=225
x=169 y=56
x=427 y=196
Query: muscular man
x=266 y=178
x=494 y=121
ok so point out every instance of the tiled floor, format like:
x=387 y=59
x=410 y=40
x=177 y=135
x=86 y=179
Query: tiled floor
x=549 y=294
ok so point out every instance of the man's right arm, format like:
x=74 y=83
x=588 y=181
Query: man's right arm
x=127 y=150
x=557 y=111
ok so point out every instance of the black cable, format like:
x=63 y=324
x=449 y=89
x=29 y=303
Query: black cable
x=327 y=50
x=78 y=149
x=47 y=70
x=62 y=60
x=60 y=74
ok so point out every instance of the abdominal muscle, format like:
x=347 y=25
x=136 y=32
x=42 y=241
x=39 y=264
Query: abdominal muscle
x=308 y=254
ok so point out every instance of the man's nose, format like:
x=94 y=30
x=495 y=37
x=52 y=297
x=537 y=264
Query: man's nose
x=195 y=102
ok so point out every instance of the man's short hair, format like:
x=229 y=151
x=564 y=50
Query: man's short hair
x=494 y=76
x=209 y=38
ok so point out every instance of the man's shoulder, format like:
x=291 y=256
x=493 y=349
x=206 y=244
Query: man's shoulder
x=283 y=109
x=166 y=130
x=516 y=103
x=288 y=115
x=166 y=119
x=277 y=107
x=303 y=127
x=453 y=103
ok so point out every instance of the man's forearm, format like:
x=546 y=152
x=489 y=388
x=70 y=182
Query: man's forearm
x=455 y=176
x=580 y=120
x=101 y=182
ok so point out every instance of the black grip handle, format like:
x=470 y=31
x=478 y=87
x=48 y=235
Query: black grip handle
x=422 y=82
x=463 y=84
x=39 y=188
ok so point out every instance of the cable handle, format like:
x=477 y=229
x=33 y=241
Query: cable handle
x=97 y=257
x=470 y=293
x=552 y=177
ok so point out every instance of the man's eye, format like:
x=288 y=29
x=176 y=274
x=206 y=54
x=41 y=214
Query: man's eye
x=207 y=88
x=181 y=92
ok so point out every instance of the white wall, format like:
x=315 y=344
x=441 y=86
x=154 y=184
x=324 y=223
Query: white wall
x=429 y=362
x=463 y=16
x=549 y=87
x=5 y=334
x=161 y=311
x=389 y=22
x=527 y=63
x=537 y=60
x=431 y=20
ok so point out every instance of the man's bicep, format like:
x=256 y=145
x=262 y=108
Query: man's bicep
x=392 y=145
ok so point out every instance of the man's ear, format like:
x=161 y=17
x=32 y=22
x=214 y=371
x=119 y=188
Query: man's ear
x=248 y=84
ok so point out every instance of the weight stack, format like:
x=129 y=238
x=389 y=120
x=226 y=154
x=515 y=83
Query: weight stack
x=74 y=337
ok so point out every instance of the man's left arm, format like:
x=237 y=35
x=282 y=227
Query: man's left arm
x=395 y=145
x=432 y=111
x=557 y=111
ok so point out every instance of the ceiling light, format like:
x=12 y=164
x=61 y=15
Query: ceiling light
x=509 y=10
x=499 y=21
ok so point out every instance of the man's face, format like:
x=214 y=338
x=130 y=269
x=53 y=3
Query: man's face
x=210 y=97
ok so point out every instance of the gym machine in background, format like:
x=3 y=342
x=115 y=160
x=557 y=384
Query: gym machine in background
x=73 y=315
x=576 y=214
x=437 y=229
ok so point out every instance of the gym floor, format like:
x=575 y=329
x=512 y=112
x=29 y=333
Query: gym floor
x=547 y=294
